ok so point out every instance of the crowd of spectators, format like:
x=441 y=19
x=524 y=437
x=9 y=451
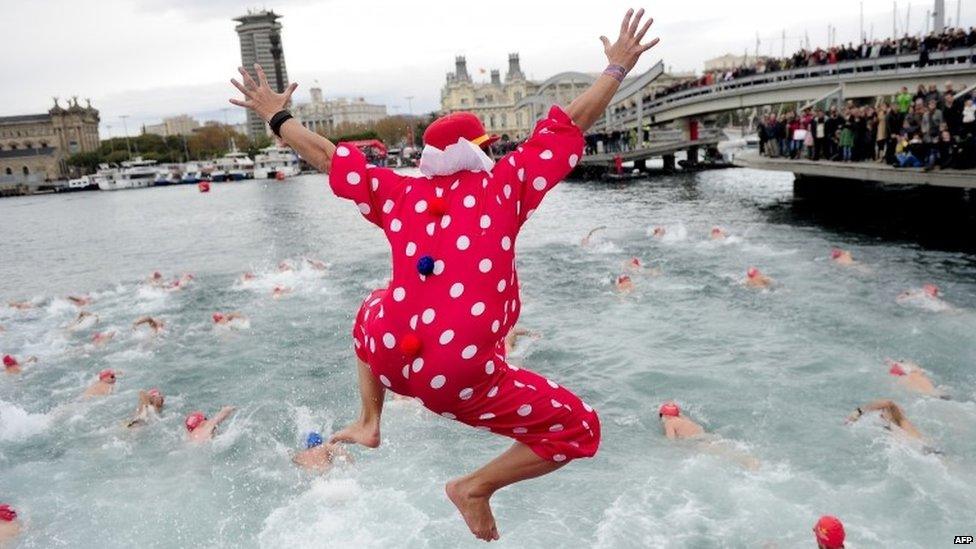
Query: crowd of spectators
x=926 y=129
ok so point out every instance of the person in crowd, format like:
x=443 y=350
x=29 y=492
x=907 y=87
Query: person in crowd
x=180 y=283
x=589 y=236
x=829 y=533
x=149 y=407
x=904 y=100
x=847 y=141
x=818 y=130
x=624 y=284
x=756 y=279
x=842 y=257
x=10 y=527
x=155 y=325
x=929 y=296
x=678 y=427
x=103 y=386
x=318 y=456
x=13 y=366
x=199 y=428
x=892 y=415
x=911 y=376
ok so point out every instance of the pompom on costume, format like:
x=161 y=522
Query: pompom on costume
x=437 y=332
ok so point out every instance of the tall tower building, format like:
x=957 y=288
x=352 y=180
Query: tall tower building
x=260 y=35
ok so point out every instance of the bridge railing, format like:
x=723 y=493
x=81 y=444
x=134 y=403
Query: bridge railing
x=892 y=64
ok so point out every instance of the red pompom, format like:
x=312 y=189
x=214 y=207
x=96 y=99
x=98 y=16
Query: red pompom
x=438 y=206
x=410 y=345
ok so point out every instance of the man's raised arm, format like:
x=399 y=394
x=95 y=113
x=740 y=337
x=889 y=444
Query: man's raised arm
x=622 y=55
x=259 y=97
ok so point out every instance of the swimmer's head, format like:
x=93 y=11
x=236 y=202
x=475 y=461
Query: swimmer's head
x=194 y=420
x=313 y=439
x=752 y=272
x=836 y=253
x=410 y=344
x=7 y=513
x=623 y=279
x=107 y=375
x=636 y=262
x=896 y=369
x=931 y=290
x=155 y=397
x=157 y=275
x=10 y=362
x=669 y=409
x=829 y=532
x=217 y=317
x=717 y=232
x=659 y=231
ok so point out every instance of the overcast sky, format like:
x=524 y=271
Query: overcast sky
x=153 y=58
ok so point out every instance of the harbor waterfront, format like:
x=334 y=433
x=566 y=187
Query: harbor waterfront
x=773 y=372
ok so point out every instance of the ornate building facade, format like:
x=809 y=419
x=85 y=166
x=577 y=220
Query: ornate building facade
x=325 y=115
x=34 y=147
x=493 y=101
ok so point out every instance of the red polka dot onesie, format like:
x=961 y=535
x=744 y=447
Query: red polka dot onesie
x=460 y=229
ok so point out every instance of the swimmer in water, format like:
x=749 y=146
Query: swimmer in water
x=9 y=525
x=280 y=291
x=586 y=239
x=228 y=319
x=755 y=279
x=892 y=415
x=101 y=338
x=150 y=406
x=678 y=427
x=316 y=264
x=247 y=277
x=200 y=428
x=182 y=282
x=635 y=265
x=82 y=301
x=285 y=267
x=11 y=365
x=659 y=232
x=20 y=305
x=911 y=376
x=318 y=456
x=104 y=386
x=842 y=257
x=718 y=233
x=829 y=533
x=83 y=320
x=624 y=284
x=155 y=325
x=928 y=296
x=511 y=338
x=156 y=279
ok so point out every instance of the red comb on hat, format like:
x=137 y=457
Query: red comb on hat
x=447 y=130
x=830 y=532
x=7 y=513
x=669 y=409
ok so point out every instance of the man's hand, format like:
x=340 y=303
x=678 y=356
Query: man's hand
x=260 y=97
x=628 y=49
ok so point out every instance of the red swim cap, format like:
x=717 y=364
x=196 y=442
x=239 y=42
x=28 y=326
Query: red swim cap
x=438 y=206
x=154 y=392
x=669 y=409
x=835 y=253
x=107 y=375
x=157 y=275
x=194 y=420
x=635 y=262
x=623 y=278
x=9 y=361
x=752 y=272
x=829 y=532
x=217 y=317
x=410 y=345
x=896 y=369
x=931 y=290
x=7 y=513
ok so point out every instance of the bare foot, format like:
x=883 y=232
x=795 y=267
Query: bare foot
x=476 y=510
x=359 y=433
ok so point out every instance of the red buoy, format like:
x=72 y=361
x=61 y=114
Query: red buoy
x=203 y=187
x=280 y=176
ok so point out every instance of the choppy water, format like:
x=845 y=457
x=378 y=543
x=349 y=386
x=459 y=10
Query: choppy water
x=772 y=372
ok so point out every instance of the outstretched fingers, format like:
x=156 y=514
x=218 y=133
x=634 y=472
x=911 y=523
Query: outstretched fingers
x=606 y=43
x=248 y=81
x=650 y=45
x=290 y=90
x=262 y=78
x=635 y=22
x=239 y=103
x=625 y=24
x=643 y=31
x=240 y=87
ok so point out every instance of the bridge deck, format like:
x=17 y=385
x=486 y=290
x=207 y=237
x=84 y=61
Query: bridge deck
x=653 y=151
x=861 y=171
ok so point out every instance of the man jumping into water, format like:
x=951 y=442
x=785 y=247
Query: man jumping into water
x=436 y=332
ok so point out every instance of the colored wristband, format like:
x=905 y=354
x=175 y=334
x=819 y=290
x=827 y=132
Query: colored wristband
x=277 y=120
x=615 y=71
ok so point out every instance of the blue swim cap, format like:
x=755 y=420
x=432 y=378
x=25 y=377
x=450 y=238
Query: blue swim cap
x=425 y=265
x=312 y=440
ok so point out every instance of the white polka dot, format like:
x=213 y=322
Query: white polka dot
x=486 y=415
x=445 y=221
x=430 y=228
x=456 y=184
x=484 y=265
x=469 y=352
x=506 y=243
x=484 y=183
x=552 y=384
x=372 y=345
x=438 y=267
x=438 y=381
x=492 y=392
x=463 y=242
x=489 y=367
x=546 y=155
x=428 y=316
x=353 y=178
x=388 y=206
x=585 y=424
x=478 y=308
x=494 y=327
x=558 y=457
x=342 y=151
x=520 y=430
x=364 y=208
x=555 y=403
x=406 y=371
x=511 y=160
x=521 y=174
x=375 y=183
x=524 y=410
x=502 y=284
x=399 y=294
x=456 y=290
x=465 y=394
x=485 y=221
x=417 y=364
x=587 y=407
x=413 y=322
x=396 y=225
x=519 y=384
x=469 y=201
x=421 y=206
x=411 y=249
x=448 y=415
x=555 y=428
x=446 y=337
x=388 y=340
x=507 y=190
x=384 y=380
x=540 y=183
x=439 y=192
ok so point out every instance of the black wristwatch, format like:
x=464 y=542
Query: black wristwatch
x=277 y=120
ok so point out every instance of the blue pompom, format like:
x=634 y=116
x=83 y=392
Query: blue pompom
x=425 y=265
x=314 y=439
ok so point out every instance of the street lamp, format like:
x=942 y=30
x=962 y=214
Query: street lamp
x=125 y=129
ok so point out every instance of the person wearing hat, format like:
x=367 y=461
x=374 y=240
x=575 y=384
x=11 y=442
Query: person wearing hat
x=150 y=406
x=829 y=533
x=199 y=428
x=103 y=386
x=436 y=331
x=756 y=279
x=9 y=525
x=676 y=425
x=911 y=376
x=318 y=455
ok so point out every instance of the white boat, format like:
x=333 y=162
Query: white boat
x=233 y=166
x=82 y=183
x=191 y=174
x=275 y=160
x=134 y=174
x=105 y=176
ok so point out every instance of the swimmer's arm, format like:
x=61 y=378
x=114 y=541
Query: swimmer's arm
x=591 y=104
x=312 y=147
x=222 y=415
x=670 y=432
